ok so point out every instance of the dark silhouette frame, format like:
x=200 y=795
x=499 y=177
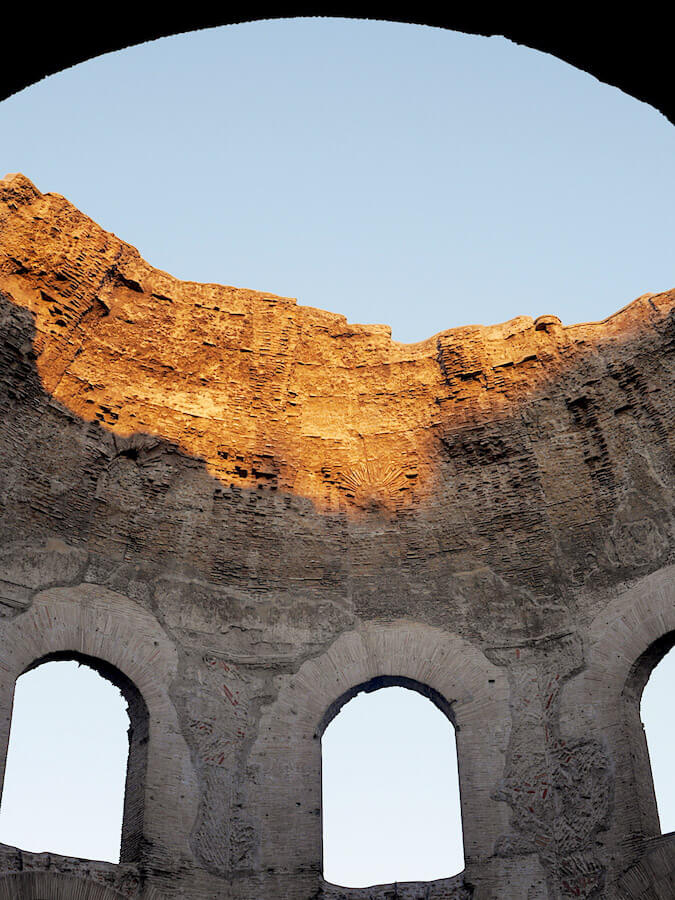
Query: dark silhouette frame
x=631 y=51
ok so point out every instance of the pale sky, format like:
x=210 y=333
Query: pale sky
x=389 y=172
x=390 y=791
x=66 y=763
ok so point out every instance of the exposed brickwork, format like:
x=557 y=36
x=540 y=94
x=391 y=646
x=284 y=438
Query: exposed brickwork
x=250 y=507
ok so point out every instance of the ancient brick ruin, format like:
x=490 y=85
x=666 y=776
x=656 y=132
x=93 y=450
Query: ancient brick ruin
x=247 y=509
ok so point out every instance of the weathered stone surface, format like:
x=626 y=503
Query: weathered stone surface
x=283 y=506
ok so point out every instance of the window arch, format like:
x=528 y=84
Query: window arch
x=644 y=700
x=390 y=796
x=655 y=673
x=89 y=694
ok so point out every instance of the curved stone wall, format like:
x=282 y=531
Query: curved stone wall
x=251 y=508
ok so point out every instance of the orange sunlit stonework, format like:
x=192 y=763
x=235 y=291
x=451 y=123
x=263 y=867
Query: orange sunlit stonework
x=269 y=394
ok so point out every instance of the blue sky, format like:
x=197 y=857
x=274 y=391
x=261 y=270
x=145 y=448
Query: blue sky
x=66 y=763
x=392 y=173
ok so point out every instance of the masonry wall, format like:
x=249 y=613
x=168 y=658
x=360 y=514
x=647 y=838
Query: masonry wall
x=250 y=508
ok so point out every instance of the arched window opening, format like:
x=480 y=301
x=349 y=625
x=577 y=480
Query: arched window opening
x=391 y=809
x=659 y=726
x=74 y=778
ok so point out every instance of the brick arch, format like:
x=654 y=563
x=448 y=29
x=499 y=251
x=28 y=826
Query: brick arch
x=622 y=645
x=653 y=878
x=467 y=683
x=102 y=625
x=385 y=681
x=51 y=886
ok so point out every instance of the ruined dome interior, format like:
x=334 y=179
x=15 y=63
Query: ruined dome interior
x=229 y=497
x=243 y=512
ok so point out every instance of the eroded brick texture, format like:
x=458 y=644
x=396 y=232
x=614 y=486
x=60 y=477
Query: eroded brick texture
x=250 y=507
